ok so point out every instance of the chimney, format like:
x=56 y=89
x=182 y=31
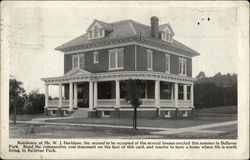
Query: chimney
x=155 y=27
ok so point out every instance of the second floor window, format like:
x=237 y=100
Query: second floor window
x=167 y=57
x=149 y=59
x=78 y=61
x=96 y=57
x=116 y=59
x=182 y=66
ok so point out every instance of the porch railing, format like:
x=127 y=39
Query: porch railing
x=55 y=103
x=184 y=103
x=106 y=102
x=167 y=103
x=145 y=102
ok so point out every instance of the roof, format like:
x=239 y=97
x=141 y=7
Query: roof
x=123 y=29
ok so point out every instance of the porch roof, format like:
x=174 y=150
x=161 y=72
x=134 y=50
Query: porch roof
x=121 y=75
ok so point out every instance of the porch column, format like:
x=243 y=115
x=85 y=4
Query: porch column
x=185 y=92
x=75 y=95
x=95 y=94
x=70 y=96
x=157 y=93
x=46 y=95
x=90 y=95
x=117 y=94
x=172 y=91
x=192 y=95
x=176 y=94
x=60 y=95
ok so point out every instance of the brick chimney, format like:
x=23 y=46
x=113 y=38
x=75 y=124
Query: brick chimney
x=155 y=27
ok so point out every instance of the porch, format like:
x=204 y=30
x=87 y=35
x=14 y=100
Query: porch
x=111 y=94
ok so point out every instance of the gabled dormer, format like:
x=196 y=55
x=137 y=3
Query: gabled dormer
x=166 y=33
x=98 y=29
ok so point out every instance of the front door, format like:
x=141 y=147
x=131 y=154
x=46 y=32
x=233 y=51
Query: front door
x=83 y=95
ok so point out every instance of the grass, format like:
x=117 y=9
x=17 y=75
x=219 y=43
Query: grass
x=202 y=116
x=29 y=117
x=217 y=110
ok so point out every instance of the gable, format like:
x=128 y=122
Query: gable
x=166 y=28
x=77 y=72
x=92 y=26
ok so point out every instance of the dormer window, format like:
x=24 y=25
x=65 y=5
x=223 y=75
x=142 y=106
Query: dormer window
x=166 y=36
x=96 y=32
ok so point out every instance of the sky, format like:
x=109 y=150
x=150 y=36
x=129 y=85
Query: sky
x=35 y=29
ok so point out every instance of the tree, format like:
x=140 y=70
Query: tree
x=201 y=75
x=34 y=102
x=134 y=91
x=16 y=97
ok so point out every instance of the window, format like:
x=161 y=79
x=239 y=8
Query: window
x=105 y=113
x=116 y=59
x=53 y=112
x=75 y=61
x=149 y=59
x=167 y=63
x=96 y=57
x=188 y=92
x=180 y=92
x=182 y=66
x=184 y=114
x=78 y=61
x=96 y=32
x=167 y=114
x=81 y=61
x=166 y=36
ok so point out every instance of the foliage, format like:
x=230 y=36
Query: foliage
x=219 y=90
x=16 y=96
x=134 y=90
x=34 y=102
x=31 y=103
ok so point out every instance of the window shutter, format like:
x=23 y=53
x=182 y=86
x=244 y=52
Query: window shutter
x=149 y=60
x=112 y=59
x=184 y=67
x=75 y=61
x=82 y=61
x=167 y=63
x=180 y=60
x=120 y=57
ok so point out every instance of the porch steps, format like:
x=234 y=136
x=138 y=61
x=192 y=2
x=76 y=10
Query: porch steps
x=80 y=112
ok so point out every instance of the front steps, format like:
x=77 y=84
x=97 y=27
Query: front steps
x=80 y=112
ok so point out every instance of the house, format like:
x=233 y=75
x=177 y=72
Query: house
x=98 y=63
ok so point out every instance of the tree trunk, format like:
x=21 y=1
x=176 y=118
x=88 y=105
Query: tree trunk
x=135 y=117
x=14 y=113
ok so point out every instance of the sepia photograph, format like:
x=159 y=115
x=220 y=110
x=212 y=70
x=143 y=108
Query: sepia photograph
x=121 y=70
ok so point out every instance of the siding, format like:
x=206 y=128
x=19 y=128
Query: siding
x=129 y=61
x=159 y=61
x=103 y=65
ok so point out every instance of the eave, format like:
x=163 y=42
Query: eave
x=137 y=39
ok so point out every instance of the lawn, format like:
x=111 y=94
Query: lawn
x=202 y=116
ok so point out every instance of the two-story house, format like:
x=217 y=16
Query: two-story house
x=98 y=63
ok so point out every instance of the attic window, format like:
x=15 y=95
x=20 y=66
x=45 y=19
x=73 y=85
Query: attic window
x=96 y=32
x=166 y=36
